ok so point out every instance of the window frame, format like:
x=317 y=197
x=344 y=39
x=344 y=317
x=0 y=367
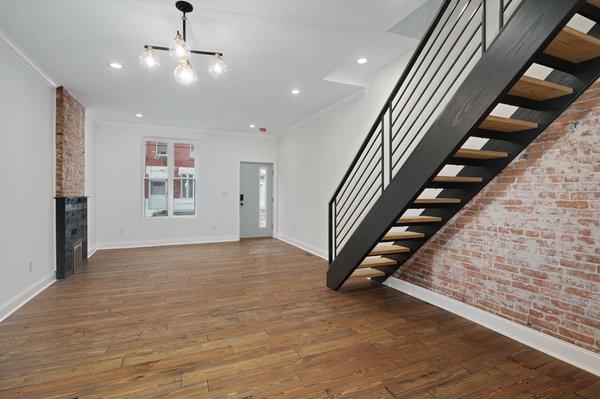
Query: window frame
x=170 y=175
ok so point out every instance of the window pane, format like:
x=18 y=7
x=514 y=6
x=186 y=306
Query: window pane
x=184 y=197
x=262 y=197
x=156 y=202
x=184 y=160
x=156 y=160
x=161 y=149
x=184 y=185
x=155 y=198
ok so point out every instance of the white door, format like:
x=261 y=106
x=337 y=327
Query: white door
x=256 y=199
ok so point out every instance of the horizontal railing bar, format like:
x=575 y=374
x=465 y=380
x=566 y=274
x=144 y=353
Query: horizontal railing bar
x=394 y=135
x=409 y=66
x=347 y=219
x=433 y=42
x=362 y=210
x=416 y=69
x=342 y=217
x=371 y=170
x=437 y=69
x=357 y=168
x=395 y=163
x=354 y=216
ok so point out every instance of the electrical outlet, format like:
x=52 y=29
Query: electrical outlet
x=30 y=266
x=214 y=227
x=294 y=228
x=120 y=232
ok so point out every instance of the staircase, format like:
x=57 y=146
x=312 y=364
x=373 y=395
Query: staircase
x=472 y=97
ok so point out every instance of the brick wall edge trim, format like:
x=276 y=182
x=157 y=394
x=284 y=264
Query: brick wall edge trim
x=565 y=351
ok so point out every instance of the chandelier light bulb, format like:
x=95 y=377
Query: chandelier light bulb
x=218 y=66
x=184 y=74
x=149 y=59
x=179 y=49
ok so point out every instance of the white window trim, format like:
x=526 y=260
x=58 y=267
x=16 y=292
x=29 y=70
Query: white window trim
x=170 y=176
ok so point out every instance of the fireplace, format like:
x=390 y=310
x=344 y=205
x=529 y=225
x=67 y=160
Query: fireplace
x=71 y=235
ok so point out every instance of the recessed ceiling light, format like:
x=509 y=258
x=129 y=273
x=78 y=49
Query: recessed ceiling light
x=296 y=92
x=362 y=60
x=115 y=65
x=252 y=126
x=139 y=115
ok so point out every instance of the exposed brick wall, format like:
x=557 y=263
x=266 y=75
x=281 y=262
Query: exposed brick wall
x=70 y=145
x=527 y=248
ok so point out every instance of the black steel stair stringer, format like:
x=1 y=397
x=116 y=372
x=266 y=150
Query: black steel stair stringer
x=530 y=31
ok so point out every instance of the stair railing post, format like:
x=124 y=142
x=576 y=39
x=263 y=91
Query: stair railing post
x=382 y=154
x=330 y=235
x=389 y=141
x=483 y=26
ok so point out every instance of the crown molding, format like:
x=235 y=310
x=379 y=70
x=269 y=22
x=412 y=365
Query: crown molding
x=9 y=44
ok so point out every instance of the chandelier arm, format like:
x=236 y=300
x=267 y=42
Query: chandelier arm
x=200 y=52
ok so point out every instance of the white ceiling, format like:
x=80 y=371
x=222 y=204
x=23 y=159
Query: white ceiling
x=271 y=46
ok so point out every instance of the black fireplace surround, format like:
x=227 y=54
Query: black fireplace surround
x=71 y=230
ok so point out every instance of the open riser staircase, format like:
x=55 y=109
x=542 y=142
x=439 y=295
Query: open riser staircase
x=440 y=137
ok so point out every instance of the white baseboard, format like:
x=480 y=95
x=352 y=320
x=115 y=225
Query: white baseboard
x=565 y=351
x=92 y=251
x=162 y=243
x=302 y=245
x=14 y=303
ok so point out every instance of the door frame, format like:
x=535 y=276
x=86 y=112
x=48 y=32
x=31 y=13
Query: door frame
x=274 y=188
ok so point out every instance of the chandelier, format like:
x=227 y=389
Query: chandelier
x=180 y=51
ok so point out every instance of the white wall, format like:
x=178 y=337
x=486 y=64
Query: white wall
x=26 y=204
x=90 y=176
x=314 y=155
x=119 y=221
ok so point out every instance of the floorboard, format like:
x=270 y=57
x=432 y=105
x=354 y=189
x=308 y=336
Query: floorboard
x=254 y=319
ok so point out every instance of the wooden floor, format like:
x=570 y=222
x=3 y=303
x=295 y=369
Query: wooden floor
x=254 y=320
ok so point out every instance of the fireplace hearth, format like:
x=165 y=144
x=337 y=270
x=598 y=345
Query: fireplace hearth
x=71 y=235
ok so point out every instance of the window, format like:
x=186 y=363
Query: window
x=262 y=197
x=169 y=178
x=161 y=149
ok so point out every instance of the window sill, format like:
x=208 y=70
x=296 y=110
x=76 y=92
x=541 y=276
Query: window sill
x=170 y=217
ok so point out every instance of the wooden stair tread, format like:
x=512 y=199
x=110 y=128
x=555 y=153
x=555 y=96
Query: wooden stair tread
x=402 y=235
x=507 y=125
x=377 y=262
x=480 y=154
x=364 y=273
x=418 y=219
x=574 y=46
x=388 y=250
x=457 y=179
x=538 y=89
x=426 y=201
